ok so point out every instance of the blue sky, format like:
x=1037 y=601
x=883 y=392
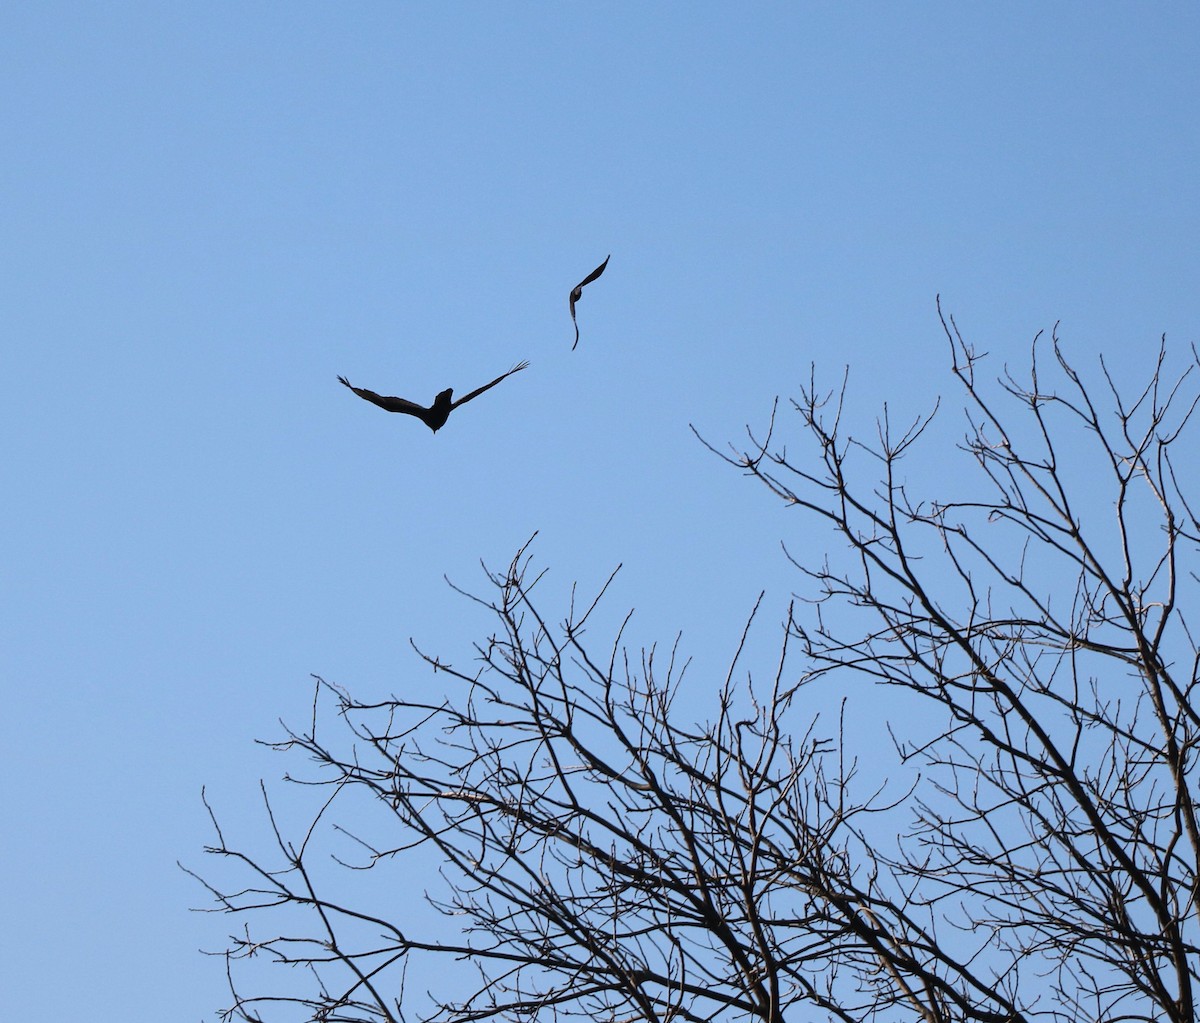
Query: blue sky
x=212 y=210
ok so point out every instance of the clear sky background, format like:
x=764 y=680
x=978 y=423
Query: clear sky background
x=208 y=211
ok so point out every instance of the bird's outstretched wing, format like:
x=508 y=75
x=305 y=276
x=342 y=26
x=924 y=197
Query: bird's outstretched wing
x=577 y=293
x=387 y=402
x=479 y=390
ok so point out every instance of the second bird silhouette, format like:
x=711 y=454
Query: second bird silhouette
x=577 y=293
x=436 y=415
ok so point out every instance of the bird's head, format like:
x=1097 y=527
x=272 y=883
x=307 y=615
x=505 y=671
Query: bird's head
x=444 y=397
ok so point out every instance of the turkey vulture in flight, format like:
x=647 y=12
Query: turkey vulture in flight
x=436 y=415
x=577 y=293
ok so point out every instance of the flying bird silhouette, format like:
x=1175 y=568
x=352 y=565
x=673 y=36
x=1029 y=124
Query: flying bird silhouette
x=577 y=293
x=436 y=415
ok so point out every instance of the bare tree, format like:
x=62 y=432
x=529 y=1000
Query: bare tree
x=1035 y=856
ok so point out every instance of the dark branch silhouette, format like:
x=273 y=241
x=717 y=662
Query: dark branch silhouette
x=603 y=847
x=436 y=415
x=577 y=293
